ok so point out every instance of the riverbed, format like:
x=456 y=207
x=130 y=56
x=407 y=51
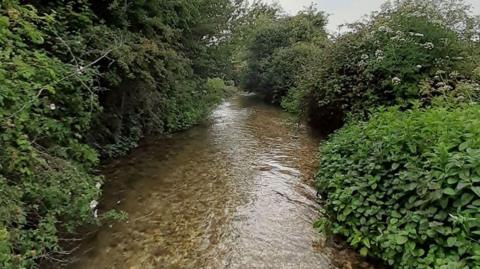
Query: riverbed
x=233 y=192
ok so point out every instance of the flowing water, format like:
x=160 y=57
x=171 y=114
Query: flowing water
x=235 y=192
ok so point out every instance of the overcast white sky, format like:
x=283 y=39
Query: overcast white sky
x=342 y=11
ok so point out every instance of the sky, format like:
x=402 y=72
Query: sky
x=342 y=11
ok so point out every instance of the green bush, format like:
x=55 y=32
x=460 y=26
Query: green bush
x=285 y=66
x=405 y=186
x=79 y=78
x=280 y=50
x=46 y=180
x=404 y=53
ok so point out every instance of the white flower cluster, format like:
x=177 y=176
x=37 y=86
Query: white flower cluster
x=93 y=207
x=397 y=38
x=443 y=86
x=454 y=74
x=362 y=63
x=93 y=204
x=80 y=70
x=396 y=81
x=380 y=55
x=428 y=45
x=416 y=34
x=418 y=14
x=385 y=29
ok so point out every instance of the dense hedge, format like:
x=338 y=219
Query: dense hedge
x=409 y=52
x=402 y=186
x=405 y=186
x=45 y=180
x=79 y=78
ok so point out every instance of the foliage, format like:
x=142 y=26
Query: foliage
x=285 y=65
x=405 y=187
x=79 y=78
x=404 y=53
x=279 y=51
x=46 y=104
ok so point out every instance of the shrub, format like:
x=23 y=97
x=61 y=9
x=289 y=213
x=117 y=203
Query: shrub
x=78 y=74
x=385 y=60
x=285 y=66
x=281 y=50
x=405 y=186
x=46 y=182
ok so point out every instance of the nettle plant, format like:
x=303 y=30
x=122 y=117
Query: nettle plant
x=405 y=186
x=399 y=55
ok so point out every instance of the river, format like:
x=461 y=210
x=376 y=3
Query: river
x=234 y=192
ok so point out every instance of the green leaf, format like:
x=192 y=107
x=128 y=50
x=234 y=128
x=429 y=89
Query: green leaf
x=451 y=241
x=476 y=190
x=449 y=191
x=466 y=199
x=463 y=146
x=4 y=21
x=400 y=239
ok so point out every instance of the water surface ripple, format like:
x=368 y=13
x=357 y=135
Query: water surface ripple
x=234 y=192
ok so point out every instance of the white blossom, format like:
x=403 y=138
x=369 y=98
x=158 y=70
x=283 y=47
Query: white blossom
x=396 y=81
x=419 y=66
x=418 y=14
x=379 y=53
x=98 y=185
x=397 y=38
x=80 y=69
x=428 y=45
x=385 y=29
x=53 y=107
x=364 y=57
x=93 y=204
x=454 y=74
x=95 y=213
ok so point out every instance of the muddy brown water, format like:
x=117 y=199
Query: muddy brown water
x=234 y=192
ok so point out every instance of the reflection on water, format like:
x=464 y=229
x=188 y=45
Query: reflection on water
x=233 y=193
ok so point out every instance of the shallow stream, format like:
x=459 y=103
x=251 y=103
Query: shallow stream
x=234 y=192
